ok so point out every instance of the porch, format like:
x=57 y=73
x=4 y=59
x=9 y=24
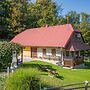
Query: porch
x=72 y=62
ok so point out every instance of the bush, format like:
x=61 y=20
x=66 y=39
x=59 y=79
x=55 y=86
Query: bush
x=23 y=79
x=6 y=49
x=2 y=82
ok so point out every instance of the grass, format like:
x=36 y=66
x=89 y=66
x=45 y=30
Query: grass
x=28 y=76
x=69 y=75
x=21 y=78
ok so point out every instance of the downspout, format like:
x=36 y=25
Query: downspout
x=62 y=59
x=22 y=55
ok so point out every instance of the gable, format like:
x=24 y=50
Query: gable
x=76 y=43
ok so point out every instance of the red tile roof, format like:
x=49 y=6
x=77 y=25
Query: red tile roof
x=52 y=36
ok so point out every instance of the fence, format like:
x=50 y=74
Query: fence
x=81 y=86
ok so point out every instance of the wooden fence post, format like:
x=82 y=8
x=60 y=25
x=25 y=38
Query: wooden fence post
x=86 y=85
x=44 y=88
x=40 y=86
x=8 y=71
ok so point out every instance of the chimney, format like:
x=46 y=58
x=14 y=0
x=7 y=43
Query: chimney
x=46 y=25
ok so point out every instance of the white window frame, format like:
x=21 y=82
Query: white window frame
x=39 y=52
x=48 y=51
x=58 y=52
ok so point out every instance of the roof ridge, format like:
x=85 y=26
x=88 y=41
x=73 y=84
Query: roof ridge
x=48 y=27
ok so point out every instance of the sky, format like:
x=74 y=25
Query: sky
x=74 y=5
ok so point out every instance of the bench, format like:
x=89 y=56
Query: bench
x=47 y=68
x=44 y=67
x=53 y=72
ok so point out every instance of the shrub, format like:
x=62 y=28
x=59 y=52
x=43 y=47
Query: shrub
x=2 y=82
x=23 y=79
x=6 y=49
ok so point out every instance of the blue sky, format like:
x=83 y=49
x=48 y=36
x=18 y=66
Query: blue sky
x=75 y=5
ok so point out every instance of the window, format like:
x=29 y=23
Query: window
x=39 y=52
x=48 y=51
x=58 y=52
x=72 y=54
x=77 y=53
x=77 y=36
x=67 y=53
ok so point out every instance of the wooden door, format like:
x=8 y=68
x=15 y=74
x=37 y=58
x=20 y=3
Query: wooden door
x=44 y=52
x=54 y=52
x=34 y=52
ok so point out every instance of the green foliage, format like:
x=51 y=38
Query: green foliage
x=73 y=18
x=16 y=15
x=85 y=27
x=68 y=74
x=2 y=82
x=30 y=78
x=30 y=69
x=6 y=49
x=13 y=15
x=23 y=79
x=85 y=17
x=45 y=12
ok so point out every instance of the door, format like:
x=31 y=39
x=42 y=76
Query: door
x=34 y=52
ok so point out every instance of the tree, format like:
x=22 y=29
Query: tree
x=85 y=27
x=17 y=15
x=45 y=12
x=73 y=18
x=13 y=15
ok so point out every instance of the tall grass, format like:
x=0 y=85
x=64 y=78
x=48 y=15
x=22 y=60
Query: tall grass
x=23 y=79
x=30 y=79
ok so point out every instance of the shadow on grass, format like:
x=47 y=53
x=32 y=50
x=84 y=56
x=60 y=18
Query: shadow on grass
x=87 y=64
x=28 y=65
x=60 y=77
x=38 y=66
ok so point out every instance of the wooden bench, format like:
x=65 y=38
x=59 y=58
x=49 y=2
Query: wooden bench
x=53 y=72
x=44 y=67
x=47 y=68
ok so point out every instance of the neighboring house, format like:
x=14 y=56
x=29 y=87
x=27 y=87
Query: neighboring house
x=59 y=43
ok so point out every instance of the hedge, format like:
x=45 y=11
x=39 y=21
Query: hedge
x=6 y=49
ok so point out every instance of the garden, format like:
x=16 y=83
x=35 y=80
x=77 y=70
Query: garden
x=35 y=75
x=30 y=77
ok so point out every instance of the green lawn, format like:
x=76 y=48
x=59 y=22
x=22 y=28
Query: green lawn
x=69 y=75
x=30 y=74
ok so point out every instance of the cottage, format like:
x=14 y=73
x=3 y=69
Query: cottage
x=59 y=43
